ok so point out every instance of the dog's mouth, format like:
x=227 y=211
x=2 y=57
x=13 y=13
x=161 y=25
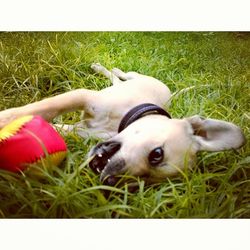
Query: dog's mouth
x=105 y=164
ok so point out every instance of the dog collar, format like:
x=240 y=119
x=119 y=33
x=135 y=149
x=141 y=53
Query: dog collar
x=140 y=111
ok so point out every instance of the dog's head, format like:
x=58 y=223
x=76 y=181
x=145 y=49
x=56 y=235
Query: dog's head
x=156 y=147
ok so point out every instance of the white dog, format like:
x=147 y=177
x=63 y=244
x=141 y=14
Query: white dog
x=149 y=142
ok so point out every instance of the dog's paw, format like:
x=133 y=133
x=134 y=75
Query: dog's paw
x=119 y=73
x=97 y=67
x=116 y=71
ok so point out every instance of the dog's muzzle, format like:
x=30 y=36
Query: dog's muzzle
x=104 y=162
x=103 y=152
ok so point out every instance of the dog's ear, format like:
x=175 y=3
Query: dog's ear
x=215 y=135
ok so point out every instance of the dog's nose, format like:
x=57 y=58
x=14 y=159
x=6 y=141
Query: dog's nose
x=102 y=154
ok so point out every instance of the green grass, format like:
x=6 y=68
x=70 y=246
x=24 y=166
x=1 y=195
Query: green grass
x=38 y=65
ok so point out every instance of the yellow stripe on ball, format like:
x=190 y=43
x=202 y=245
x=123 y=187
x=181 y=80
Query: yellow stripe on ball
x=56 y=158
x=50 y=160
x=12 y=128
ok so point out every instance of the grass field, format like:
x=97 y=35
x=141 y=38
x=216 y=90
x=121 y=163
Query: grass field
x=38 y=65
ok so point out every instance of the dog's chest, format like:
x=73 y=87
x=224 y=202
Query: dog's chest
x=105 y=121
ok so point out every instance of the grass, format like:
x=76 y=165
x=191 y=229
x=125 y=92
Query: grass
x=37 y=65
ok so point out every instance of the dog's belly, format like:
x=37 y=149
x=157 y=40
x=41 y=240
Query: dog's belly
x=137 y=91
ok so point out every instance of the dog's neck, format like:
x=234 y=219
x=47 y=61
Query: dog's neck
x=140 y=111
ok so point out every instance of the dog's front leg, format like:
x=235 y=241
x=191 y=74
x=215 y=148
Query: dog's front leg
x=51 y=107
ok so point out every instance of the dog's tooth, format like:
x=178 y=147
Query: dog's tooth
x=99 y=155
x=98 y=170
x=108 y=160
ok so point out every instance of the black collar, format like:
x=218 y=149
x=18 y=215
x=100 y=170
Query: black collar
x=140 y=111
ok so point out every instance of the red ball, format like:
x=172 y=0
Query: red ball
x=29 y=140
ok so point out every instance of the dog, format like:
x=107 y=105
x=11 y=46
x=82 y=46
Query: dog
x=139 y=137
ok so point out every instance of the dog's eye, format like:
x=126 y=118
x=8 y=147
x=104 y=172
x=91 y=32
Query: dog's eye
x=156 y=156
